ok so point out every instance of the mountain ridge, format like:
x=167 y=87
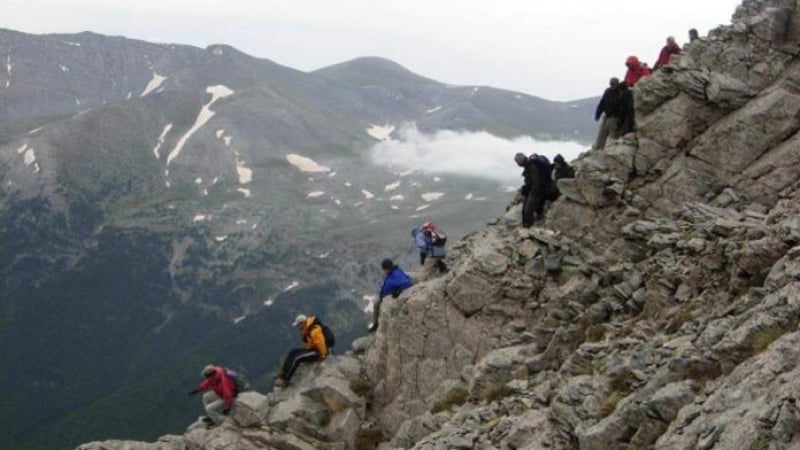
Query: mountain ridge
x=654 y=308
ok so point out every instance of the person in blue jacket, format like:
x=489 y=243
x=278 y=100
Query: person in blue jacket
x=394 y=282
x=431 y=244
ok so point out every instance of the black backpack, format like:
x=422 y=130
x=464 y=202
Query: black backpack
x=330 y=339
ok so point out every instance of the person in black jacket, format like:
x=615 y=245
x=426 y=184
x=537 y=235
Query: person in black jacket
x=611 y=108
x=536 y=187
x=561 y=169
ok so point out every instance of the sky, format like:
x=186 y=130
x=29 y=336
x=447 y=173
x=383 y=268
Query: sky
x=555 y=49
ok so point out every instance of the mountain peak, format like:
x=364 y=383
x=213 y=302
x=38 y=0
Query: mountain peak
x=369 y=70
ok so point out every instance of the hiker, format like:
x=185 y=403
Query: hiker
x=627 y=122
x=636 y=71
x=220 y=392
x=672 y=48
x=395 y=281
x=315 y=348
x=693 y=35
x=537 y=185
x=431 y=241
x=611 y=109
x=561 y=170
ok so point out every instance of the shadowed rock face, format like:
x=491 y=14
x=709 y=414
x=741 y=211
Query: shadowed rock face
x=658 y=305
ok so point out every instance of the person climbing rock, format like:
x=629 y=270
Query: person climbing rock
x=395 y=281
x=693 y=35
x=636 y=71
x=672 y=48
x=219 y=393
x=431 y=241
x=537 y=178
x=561 y=170
x=315 y=348
x=611 y=109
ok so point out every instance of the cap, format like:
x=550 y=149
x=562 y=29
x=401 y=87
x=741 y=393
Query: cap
x=299 y=319
x=208 y=370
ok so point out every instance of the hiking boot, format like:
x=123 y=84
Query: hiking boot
x=209 y=423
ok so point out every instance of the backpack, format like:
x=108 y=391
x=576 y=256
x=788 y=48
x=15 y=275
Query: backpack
x=438 y=237
x=239 y=381
x=330 y=339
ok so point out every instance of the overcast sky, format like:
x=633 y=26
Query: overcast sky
x=556 y=49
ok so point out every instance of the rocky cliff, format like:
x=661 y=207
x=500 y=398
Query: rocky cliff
x=657 y=307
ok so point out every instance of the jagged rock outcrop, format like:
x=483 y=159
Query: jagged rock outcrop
x=658 y=306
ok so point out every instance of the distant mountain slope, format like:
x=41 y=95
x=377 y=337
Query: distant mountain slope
x=436 y=106
x=163 y=206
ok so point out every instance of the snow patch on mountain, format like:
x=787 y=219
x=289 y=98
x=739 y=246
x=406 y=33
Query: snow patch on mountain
x=245 y=173
x=160 y=141
x=431 y=196
x=397 y=198
x=219 y=133
x=8 y=70
x=423 y=207
x=332 y=174
x=370 y=299
x=35 y=130
x=154 y=84
x=305 y=164
x=433 y=110
x=381 y=132
x=63 y=68
x=367 y=194
x=315 y=194
x=469 y=196
x=245 y=192
x=217 y=92
x=74 y=44
x=392 y=186
x=291 y=286
x=348 y=184
x=198 y=180
x=199 y=218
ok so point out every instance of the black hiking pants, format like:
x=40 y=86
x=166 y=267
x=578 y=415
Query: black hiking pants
x=533 y=208
x=294 y=358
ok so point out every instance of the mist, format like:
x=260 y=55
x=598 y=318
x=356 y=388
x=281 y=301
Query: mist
x=477 y=154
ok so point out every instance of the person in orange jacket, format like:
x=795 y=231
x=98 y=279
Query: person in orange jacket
x=220 y=391
x=636 y=71
x=314 y=348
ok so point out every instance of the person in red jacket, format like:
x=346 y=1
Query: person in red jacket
x=220 y=392
x=636 y=71
x=672 y=48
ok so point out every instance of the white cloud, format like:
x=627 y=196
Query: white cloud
x=465 y=153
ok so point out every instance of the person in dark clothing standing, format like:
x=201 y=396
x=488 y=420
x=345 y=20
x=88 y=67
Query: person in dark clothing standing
x=672 y=48
x=537 y=185
x=627 y=123
x=395 y=281
x=611 y=108
x=693 y=35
